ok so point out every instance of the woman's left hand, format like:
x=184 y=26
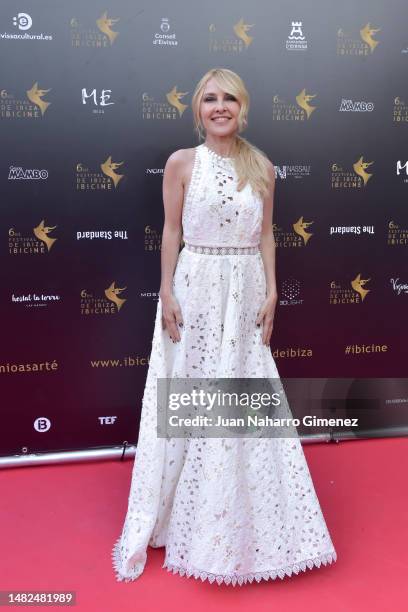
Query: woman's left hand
x=266 y=315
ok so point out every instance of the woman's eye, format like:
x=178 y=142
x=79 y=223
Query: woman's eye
x=229 y=97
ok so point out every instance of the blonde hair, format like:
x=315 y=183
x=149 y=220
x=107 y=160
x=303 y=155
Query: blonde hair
x=250 y=163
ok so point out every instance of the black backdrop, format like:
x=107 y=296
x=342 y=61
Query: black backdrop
x=73 y=355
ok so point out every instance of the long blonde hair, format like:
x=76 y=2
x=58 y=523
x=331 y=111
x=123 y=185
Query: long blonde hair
x=250 y=162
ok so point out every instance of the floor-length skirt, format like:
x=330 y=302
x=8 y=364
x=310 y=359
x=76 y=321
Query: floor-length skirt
x=229 y=510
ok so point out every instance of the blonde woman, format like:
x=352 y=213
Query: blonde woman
x=228 y=510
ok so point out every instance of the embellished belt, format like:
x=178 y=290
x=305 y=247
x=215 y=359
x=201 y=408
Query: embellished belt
x=207 y=250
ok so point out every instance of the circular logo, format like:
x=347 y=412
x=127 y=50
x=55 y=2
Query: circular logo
x=23 y=21
x=42 y=424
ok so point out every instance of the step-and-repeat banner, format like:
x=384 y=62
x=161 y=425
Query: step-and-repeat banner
x=94 y=98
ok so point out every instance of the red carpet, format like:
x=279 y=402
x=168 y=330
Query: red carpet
x=59 y=523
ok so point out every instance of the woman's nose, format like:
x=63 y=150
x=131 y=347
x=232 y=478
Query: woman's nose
x=220 y=104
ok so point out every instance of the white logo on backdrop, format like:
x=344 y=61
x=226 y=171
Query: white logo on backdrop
x=164 y=37
x=356 y=107
x=102 y=100
x=23 y=21
x=398 y=286
x=42 y=424
x=296 y=41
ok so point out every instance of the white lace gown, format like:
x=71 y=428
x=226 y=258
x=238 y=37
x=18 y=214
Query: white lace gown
x=226 y=510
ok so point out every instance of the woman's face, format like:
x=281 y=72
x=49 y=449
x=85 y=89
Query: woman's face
x=219 y=110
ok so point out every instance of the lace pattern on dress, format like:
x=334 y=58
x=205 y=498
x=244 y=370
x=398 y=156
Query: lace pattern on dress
x=116 y=562
x=215 y=213
x=222 y=250
x=232 y=579
x=241 y=579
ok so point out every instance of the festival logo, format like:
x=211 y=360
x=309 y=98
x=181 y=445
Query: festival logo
x=37 y=244
x=347 y=44
x=105 y=24
x=300 y=228
x=113 y=293
x=399 y=111
x=41 y=232
x=174 y=98
x=103 y=35
x=345 y=295
x=235 y=42
x=397 y=235
x=152 y=239
x=109 y=169
x=360 y=168
x=170 y=110
x=345 y=179
x=35 y=95
x=32 y=107
x=299 y=237
x=358 y=284
x=286 y=111
x=303 y=99
x=108 y=179
x=108 y=304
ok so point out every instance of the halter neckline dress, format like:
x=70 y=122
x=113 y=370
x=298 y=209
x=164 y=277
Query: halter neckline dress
x=229 y=510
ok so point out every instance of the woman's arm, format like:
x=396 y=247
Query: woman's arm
x=267 y=238
x=173 y=192
x=268 y=246
x=173 y=195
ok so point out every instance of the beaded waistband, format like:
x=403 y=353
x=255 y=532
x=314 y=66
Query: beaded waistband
x=253 y=250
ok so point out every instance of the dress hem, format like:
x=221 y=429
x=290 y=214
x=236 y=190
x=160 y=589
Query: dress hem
x=116 y=562
x=232 y=579
x=250 y=577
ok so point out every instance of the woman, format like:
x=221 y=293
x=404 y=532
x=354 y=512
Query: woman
x=229 y=510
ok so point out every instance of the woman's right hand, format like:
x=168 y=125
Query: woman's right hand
x=171 y=316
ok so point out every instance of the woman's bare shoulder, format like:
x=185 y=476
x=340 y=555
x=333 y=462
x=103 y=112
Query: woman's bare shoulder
x=181 y=161
x=181 y=156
